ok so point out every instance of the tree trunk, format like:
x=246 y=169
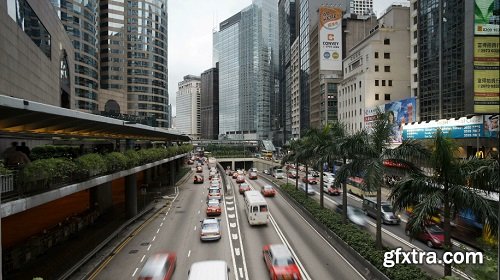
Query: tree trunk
x=344 y=198
x=378 y=239
x=321 y=188
x=297 y=174
x=447 y=229
x=307 y=181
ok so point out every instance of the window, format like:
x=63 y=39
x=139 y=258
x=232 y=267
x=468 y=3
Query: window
x=376 y=68
x=387 y=96
x=376 y=54
x=376 y=96
x=359 y=84
x=360 y=98
x=415 y=49
x=415 y=78
x=415 y=5
x=376 y=83
x=383 y=83
x=415 y=20
x=387 y=41
x=415 y=63
x=390 y=83
x=415 y=91
x=387 y=55
x=415 y=34
x=387 y=68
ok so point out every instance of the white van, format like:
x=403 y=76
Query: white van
x=209 y=270
x=279 y=174
x=256 y=208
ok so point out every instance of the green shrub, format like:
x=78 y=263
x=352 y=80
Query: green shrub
x=4 y=170
x=359 y=240
x=51 y=151
x=115 y=161
x=91 y=165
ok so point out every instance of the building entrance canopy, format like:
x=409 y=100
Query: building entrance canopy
x=23 y=117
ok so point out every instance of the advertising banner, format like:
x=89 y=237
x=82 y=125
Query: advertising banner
x=402 y=111
x=486 y=57
x=330 y=38
x=477 y=126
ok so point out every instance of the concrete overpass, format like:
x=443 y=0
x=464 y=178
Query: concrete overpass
x=246 y=163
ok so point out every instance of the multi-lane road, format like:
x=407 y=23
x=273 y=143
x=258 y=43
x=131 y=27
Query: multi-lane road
x=176 y=229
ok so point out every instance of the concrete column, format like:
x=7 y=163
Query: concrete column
x=101 y=197
x=233 y=165
x=178 y=163
x=129 y=144
x=131 y=195
x=172 y=173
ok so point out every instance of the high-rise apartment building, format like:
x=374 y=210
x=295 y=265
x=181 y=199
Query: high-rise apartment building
x=210 y=103
x=295 y=89
x=81 y=21
x=287 y=35
x=376 y=70
x=247 y=50
x=188 y=101
x=359 y=7
x=414 y=48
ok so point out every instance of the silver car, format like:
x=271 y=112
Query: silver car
x=210 y=229
x=310 y=190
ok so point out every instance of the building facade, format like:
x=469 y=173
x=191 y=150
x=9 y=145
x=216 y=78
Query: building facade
x=188 y=103
x=210 y=103
x=37 y=54
x=81 y=22
x=359 y=7
x=295 y=89
x=414 y=49
x=376 y=70
x=287 y=35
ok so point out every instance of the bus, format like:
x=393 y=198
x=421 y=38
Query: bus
x=356 y=186
x=256 y=208
x=267 y=155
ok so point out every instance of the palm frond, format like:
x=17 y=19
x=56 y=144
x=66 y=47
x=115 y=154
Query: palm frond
x=423 y=212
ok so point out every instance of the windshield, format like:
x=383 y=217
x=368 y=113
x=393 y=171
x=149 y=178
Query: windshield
x=435 y=229
x=268 y=188
x=211 y=226
x=283 y=261
x=213 y=203
x=214 y=191
x=386 y=208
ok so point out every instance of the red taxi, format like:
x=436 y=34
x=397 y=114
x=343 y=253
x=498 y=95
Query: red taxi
x=252 y=176
x=268 y=190
x=280 y=263
x=198 y=179
x=240 y=179
x=311 y=180
x=244 y=187
x=213 y=208
x=159 y=266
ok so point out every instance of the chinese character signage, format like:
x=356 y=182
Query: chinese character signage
x=477 y=126
x=486 y=57
x=330 y=38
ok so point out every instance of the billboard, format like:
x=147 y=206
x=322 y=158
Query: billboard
x=330 y=38
x=402 y=111
x=486 y=57
x=478 y=126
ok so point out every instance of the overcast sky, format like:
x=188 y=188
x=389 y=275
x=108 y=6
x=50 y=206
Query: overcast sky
x=190 y=26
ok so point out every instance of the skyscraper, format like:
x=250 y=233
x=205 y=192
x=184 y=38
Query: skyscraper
x=359 y=7
x=188 y=103
x=210 y=103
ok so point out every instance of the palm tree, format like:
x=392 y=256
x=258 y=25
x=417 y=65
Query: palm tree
x=367 y=153
x=295 y=154
x=454 y=185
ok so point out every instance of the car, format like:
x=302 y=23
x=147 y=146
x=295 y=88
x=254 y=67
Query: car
x=213 y=269
x=211 y=175
x=268 y=190
x=310 y=190
x=215 y=184
x=253 y=169
x=355 y=215
x=293 y=174
x=213 y=207
x=252 y=175
x=432 y=235
x=190 y=162
x=214 y=193
x=311 y=180
x=388 y=215
x=210 y=229
x=331 y=189
x=328 y=177
x=215 y=181
x=240 y=179
x=159 y=266
x=235 y=175
x=266 y=171
x=313 y=173
x=199 y=169
x=198 y=179
x=280 y=263
x=243 y=187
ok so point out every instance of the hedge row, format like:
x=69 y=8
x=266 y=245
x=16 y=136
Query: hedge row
x=46 y=172
x=51 y=151
x=359 y=240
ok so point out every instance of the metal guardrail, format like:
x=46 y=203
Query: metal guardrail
x=7 y=183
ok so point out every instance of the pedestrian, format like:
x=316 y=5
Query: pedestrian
x=15 y=158
x=25 y=149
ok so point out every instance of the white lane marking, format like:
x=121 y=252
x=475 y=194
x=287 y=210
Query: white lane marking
x=161 y=224
x=240 y=240
x=201 y=201
x=135 y=271
x=158 y=231
x=241 y=272
x=229 y=202
x=154 y=237
x=194 y=227
x=235 y=236
x=189 y=253
x=164 y=218
x=231 y=216
x=149 y=247
x=237 y=251
x=233 y=225
x=285 y=241
x=198 y=211
x=143 y=257
x=230 y=208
